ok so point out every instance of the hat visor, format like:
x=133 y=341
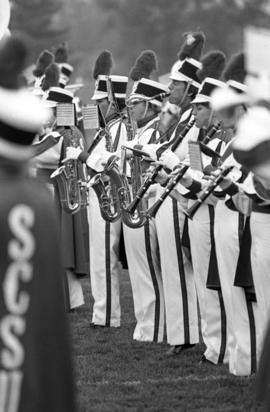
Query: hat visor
x=99 y=95
x=200 y=98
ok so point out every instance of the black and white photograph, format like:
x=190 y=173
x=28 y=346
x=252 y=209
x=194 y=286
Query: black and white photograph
x=135 y=194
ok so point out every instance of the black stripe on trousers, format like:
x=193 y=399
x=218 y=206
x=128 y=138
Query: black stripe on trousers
x=108 y=273
x=154 y=279
x=223 y=318
x=181 y=270
x=252 y=326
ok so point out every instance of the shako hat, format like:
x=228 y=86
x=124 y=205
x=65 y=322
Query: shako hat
x=213 y=64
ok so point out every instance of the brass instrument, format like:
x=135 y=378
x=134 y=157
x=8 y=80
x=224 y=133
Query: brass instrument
x=132 y=218
x=132 y=207
x=208 y=190
x=115 y=198
x=71 y=180
x=105 y=184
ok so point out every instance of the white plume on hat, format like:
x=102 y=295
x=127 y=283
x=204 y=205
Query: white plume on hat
x=253 y=128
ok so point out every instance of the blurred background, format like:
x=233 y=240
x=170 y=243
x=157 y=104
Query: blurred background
x=126 y=27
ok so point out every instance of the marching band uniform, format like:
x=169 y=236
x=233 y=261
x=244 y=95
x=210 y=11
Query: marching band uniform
x=250 y=148
x=74 y=228
x=241 y=310
x=34 y=331
x=201 y=235
x=177 y=273
x=104 y=235
x=141 y=243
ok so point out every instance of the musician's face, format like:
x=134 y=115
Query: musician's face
x=177 y=90
x=138 y=111
x=202 y=114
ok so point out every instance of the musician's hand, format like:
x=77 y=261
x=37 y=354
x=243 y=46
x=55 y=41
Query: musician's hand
x=224 y=184
x=186 y=179
x=169 y=160
x=72 y=153
x=162 y=177
x=150 y=150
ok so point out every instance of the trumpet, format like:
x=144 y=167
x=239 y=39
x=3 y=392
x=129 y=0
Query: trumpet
x=224 y=171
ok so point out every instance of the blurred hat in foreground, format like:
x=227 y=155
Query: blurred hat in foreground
x=21 y=113
x=252 y=141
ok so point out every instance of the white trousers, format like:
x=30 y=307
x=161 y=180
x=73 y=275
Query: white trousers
x=104 y=265
x=145 y=276
x=212 y=314
x=177 y=275
x=241 y=314
x=260 y=262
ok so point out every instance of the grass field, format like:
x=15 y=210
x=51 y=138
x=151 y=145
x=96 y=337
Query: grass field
x=115 y=373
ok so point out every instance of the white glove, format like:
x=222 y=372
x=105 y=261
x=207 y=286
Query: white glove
x=169 y=159
x=151 y=150
x=72 y=153
x=130 y=143
x=94 y=161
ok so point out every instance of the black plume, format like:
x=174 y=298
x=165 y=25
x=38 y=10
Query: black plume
x=51 y=78
x=193 y=46
x=213 y=64
x=61 y=53
x=45 y=58
x=235 y=69
x=103 y=64
x=13 y=54
x=145 y=64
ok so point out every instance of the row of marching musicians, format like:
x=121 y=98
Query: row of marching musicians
x=194 y=211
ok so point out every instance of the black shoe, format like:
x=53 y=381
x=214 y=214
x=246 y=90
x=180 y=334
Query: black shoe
x=205 y=360
x=95 y=326
x=178 y=349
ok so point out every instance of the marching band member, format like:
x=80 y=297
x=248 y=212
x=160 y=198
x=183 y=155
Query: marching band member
x=74 y=228
x=105 y=235
x=177 y=274
x=141 y=243
x=35 y=345
x=200 y=229
x=241 y=310
x=254 y=127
